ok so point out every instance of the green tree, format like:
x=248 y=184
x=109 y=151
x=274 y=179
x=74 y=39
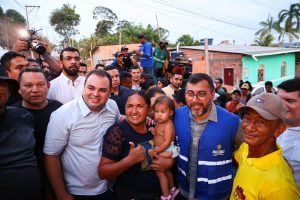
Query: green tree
x=1 y=12
x=267 y=27
x=15 y=16
x=104 y=13
x=264 y=40
x=11 y=22
x=104 y=27
x=110 y=29
x=187 y=40
x=288 y=23
x=87 y=44
x=107 y=20
x=64 y=21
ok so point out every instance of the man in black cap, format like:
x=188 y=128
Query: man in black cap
x=19 y=174
x=128 y=60
x=13 y=63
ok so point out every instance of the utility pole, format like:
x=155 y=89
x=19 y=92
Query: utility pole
x=206 y=56
x=91 y=57
x=120 y=37
x=157 y=27
x=28 y=12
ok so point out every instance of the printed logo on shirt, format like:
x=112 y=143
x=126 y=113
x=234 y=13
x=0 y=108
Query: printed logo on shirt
x=260 y=100
x=238 y=193
x=219 y=151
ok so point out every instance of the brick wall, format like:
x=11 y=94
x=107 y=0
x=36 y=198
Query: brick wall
x=217 y=62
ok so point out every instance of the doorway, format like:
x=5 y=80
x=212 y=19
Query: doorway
x=228 y=76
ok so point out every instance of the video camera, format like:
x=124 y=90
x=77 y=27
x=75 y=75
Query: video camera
x=30 y=37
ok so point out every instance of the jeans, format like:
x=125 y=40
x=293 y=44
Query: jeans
x=150 y=71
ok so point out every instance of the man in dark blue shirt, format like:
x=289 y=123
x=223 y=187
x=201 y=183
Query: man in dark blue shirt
x=19 y=173
x=118 y=93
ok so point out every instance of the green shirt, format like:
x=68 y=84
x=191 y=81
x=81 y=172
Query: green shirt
x=160 y=57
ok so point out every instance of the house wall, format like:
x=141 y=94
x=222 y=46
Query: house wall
x=272 y=66
x=218 y=61
x=297 y=65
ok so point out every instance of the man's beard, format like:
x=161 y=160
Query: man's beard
x=201 y=112
x=71 y=72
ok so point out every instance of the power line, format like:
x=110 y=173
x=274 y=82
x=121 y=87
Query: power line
x=210 y=18
x=19 y=4
x=197 y=9
x=28 y=12
x=139 y=4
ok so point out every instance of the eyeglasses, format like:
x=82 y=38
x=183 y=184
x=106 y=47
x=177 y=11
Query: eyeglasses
x=69 y=58
x=82 y=72
x=199 y=95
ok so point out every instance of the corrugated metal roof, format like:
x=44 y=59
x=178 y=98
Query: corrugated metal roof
x=246 y=50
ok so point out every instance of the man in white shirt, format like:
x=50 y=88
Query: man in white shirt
x=175 y=83
x=69 y=84
x=289 y=140
x=73 y=143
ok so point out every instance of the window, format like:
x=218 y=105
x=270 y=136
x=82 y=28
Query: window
x=283 y=69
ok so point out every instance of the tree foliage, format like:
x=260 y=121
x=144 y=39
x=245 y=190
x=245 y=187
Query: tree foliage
x=107 y=20
x=111 y=30
x=103 y=13
x=287 y=24
x=104 y=27
x=267 y=26
x=64 y=21
x=1 y=12
x=264 y=40
x=11 y=22
x=187 y=40
x=15 y=16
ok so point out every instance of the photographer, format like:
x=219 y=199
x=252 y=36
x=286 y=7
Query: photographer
x=22 y=46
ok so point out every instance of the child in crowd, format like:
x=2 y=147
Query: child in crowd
x=164 y=134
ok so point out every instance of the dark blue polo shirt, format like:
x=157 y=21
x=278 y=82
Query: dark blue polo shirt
x=120 y=99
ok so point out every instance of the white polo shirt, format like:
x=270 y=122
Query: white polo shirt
x=76 y=134
x=64 y=90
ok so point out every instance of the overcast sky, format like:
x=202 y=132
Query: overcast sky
x=218 y=19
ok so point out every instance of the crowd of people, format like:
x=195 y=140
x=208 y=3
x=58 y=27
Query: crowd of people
x=137 y=131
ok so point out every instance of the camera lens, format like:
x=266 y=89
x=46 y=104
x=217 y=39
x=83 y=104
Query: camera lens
x=38 y=48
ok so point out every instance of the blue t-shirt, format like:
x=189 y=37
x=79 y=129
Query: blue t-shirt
x=146 y=58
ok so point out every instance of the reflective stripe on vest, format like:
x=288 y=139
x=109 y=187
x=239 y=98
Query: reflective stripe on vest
x=214 y=163
x=183 y=158
x=214 y=181
x=181 y=170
